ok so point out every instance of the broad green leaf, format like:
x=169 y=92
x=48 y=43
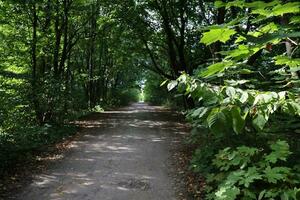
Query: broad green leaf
x=236 y=82
x=216 y=68
x=172 y=85
x=234 y=177
x=262 y=4
x=245 y=71
x=292 y=7
x=219 y=4
x=230 y=91
x=269 y=28
x=244 y=97
x=200 y=112
x=294 y=108
x=275 y=174
x=285 y=60
x=236 y=3
x=238 y=122
x=261 y=11
x=227 y=193
x=250 y=176
x=216 y=121
x=295 y=20
x=259 y=122
x=261 y=195
x=291 y=194
x=249 y=194
x=280 y=151
x=274 y=8
x=222 y=34
x=239 y=39
x=270 y=37
x=242 y=52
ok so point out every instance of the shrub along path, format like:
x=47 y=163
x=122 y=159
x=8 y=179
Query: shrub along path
x=123 y=154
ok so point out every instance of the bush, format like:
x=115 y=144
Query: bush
x=20 y=144
x=156 y=94
x=252 y=173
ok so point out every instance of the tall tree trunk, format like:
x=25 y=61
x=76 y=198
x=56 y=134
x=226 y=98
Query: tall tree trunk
x=58 y=34
x=65 y=24
x=181 y=47
x=36 y=105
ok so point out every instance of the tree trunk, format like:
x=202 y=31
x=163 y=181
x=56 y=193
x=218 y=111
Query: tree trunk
x=36 y=105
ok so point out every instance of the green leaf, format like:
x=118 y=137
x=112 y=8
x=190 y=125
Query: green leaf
x=222 y=34
x=163 y=83
x=261 y=195
x=295 y=20
x=236 y=82
x=291 y=194
x=280 y=151
x=219 y=4
x=227 y=193
x=241 y=52
x=236 y=3
x=216 y=121
x=285 y=60
x=245 y=71
x=269 y=37
x=276 y=174
x=216 y=68
x=238 y=122
x=250 y=176
x=293 y=7
x=230 y=91
x=172 y=85
x=293 y=107
x=259 y=122
x=244 y=97
x=269 y=28
x=200 y=112
x=249 y=194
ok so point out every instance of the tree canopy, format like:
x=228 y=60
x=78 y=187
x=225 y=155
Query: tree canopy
x=233 y=66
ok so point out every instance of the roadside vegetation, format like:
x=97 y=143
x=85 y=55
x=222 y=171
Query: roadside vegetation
x=232 y=66
x=246 y=114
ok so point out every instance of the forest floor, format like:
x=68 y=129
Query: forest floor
x=119 y=155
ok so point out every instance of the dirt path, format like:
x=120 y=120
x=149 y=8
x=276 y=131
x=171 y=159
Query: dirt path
x=122 y=155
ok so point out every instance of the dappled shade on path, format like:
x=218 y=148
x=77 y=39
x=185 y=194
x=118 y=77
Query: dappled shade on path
x=122 y=154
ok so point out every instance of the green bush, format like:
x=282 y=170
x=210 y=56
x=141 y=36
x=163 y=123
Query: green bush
x=157 y=94
x=252 y=173
x=250 y=112
x=20 y=144
x=123 y=97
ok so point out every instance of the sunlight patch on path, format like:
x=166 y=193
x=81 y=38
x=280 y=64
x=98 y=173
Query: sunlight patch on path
x=121 y=155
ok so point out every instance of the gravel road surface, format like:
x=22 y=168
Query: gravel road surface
x=121 y=155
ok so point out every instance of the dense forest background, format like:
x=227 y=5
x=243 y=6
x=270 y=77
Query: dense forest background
x=233 y=66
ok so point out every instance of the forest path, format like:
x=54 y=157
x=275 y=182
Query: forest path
x=121 y=155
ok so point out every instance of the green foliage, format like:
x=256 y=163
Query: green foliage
x=246 y=168
x=157 y=94
x=222 y=34
x=293 y=63
x=248 y=87
x=23 y=142
x=59 y=60
x=126 y=96
x=215 y=68
x=97 y=108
